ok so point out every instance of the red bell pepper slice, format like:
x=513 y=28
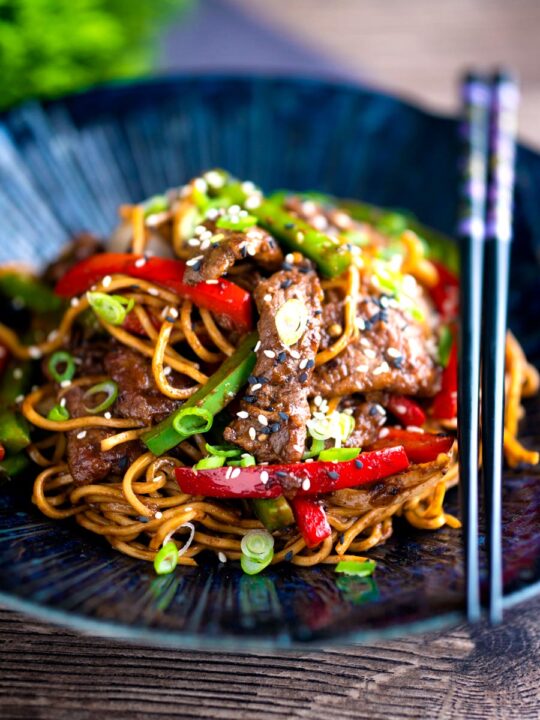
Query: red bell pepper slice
x=267 y=481
x=406 y=410
x=223 y=297
x=2 y=452
x=445 y=294
x=445 y=402
x=419 y=447
x=311 y=520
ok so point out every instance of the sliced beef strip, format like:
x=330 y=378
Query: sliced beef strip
x=280 y=383
x=392 y=353
x=138 y=395
x=218 y=259
x=87 y=463
x=82 y=246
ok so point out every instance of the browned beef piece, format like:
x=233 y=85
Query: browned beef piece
x=273 y=415
x=82 y=246
x=392 y=353
x=369 y=418
x=218 y=259
x=138 y=395
x=87 y=463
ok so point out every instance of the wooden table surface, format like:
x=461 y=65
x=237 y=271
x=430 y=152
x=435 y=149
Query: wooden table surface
x=413 y=47
x=469 y=673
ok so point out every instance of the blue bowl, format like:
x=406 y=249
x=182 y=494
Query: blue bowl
x=65 y=166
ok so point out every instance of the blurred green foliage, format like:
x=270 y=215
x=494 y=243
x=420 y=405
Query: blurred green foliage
x=49 y=47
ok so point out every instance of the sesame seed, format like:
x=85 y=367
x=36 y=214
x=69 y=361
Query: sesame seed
x=359 y=464
x=317 y=400
x=286 y=284
x=222 y=557
x=310 y=364
x=167 y=370
x=400 y=409
x=107 y=280
x=414 y=428
x=365 y=342
x=194 y=260
x=384 y=432
x=303 y=377
x=393 y=352
x=34 y=352
x=17 y=373
x=252 y=202
x=153 y=291
x=267 y=297
x=303 y=364
x=173 y=312
x=81 y=435
x=107 y=415
x=295 y=354
x=252 y=433
x=193 y=242
x=289 y=258
x=360 y=324
x=257 y=346
x=228 y=473
x=19 y=398
x=256 y=387
x=264 y=477
x=362 y=368
x=200 y=229
x=369 y=353
x=270 y=354
x=332 y=475
x=275 y=427
x=308 y=460
x=235 y=473
x=242 y=414
x=158 y=515
x=65 y=383
x=249 y=399
x=141 y=262
x=63 y=402
x=282 y=356
x=306 y=484
x=300 y=237
x=379 y=370
x=262 y=419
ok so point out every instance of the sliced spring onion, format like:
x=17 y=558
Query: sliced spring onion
x=111 y=308
x=291 y=321
x=188 y=221
x=225 y=451
x=339 y=454
x=236 y=222
x=155 y=204
x=445 y=345
x=245 y=461
x=392 y=224
x=252 y=567
x=258 y=545
x=58 y=414
x=58 y=359
x=191 y=420
x=210 y=463
x=166 y=559
x=338 y=426
x=351 y=567
x=108 y=388
x=317 y=446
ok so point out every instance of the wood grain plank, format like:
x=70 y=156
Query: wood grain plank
x=478 y=673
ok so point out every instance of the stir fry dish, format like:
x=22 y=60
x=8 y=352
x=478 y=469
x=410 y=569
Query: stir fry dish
x=268 y=378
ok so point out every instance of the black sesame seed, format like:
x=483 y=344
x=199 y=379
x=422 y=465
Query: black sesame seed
x=252 y=380
x=282 y=356
x=303 y=377
x=304 y=269
x=270 y=409
x=275 y=427
x=263 y=380
x=375 y=318
x=286 y=266
x=384 y=315
x=317 y=312
x=397 y=363
x=248 y=398
x=265 y=431
x=283 y=416
x=373 y=410
x=244 y=251
x=342 y=538
x=286 y=283
x=310 y=364
x=289 y=556
x=197 y=266
x=332 y=474
x=289 y=226
x=359 y=464
x=281 y=473
x=170 y=319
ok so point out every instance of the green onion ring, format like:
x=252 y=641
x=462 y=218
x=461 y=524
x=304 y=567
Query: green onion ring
x=109 y=388
x=58 y=414
x=258 y=545
x=210 y=463
x=166 y=559
x=339 y=454
x=226 y=451
x=59 y=358
x=111 y=308
x=192 y=420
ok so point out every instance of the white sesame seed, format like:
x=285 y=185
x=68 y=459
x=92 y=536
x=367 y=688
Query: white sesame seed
x=107 y=415
x=369 y=353
x=81 y=435
x=414 y=428
x=34 y=352
x=194 y=260
x=205 y=244
x=107 y=280
x=306 y=484
x=393 y=352
x=200 y=184
x=200 y=229
x=264 y=477
x=17 y=373
x=382 y=368
x=63 y=402
x=153 y=291
x=248 y=187
x=317 y=400
x=365 y=342
x=253 y=201
x=267 y=297
x=300 y=237
x=19 y=398
x=65 y=383
x=212 y=282
x=400 y=409
x=52 y=335
x=193 y=242
x=384 y=432
x=256 y=386
x=295 y=354
x=289 y=258
x=262 y=419
x=206 y=235
x=173 y=312
x=222 y=557
x=360 y=323
x=257 y=346
x=167 y=370
x=158 y=515
x=270 y=354
x=228 y=473
x=252 y=433
x=303 y=363
x=348 y=411
x=242 y=415
x=74 y=301
x=380 y=409
x=362 y=368
x=214 y=179
x=235 y=473
x=140 y=262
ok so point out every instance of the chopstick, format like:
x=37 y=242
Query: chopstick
x=502 y=148
x=476 y=96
